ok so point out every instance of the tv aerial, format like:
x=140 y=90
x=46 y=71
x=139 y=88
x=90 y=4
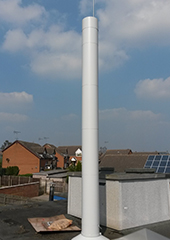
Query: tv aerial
x=43 y=138
x=16 y=133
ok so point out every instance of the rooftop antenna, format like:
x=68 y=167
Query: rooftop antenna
x=93 y=7
x=90 y=176
x=16 y=132
x=43 y=138
x=46 y=138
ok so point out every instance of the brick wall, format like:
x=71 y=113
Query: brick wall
x=18 y=155
x=24 y=190
x=60 y=162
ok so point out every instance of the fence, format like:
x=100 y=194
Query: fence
x=60 y=185
x=15 y=180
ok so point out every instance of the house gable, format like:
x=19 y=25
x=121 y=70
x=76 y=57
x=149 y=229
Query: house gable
x=17 y=154
x=70 y=150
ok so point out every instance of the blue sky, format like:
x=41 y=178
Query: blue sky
x=40 y=72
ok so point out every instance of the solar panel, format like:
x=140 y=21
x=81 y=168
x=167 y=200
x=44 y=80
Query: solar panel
x=161 y=163
x=165 y=157
x=151 y=157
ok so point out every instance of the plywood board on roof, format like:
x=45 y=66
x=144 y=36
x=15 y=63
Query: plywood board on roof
x=41 y=224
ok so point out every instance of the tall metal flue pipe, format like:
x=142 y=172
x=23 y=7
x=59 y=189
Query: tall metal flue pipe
x=90 y=149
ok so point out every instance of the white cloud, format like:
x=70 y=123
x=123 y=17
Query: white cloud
x=15 y=98
x=61 y=66
x=153 y=89
x=130 y=24
x=13 y=12
x=54 y=39
x=86 y=7
x=138 y=130
x=53 y=53
x=140 y=115
x=70 y=117
x=123 y=115
x=10 y=117
x=110 y=55
x=15 y=40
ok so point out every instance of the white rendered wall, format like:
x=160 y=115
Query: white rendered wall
x=113 y=204
x=128 y=204
x=144 y=202
x=74 y=196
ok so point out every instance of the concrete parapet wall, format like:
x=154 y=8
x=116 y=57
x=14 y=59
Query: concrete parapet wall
x=74 y=196
x=126 y=204
x=11 y=199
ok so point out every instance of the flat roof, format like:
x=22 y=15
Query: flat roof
x=51 y=172
x=14 y=223
x=125 y=176
x=136 y=176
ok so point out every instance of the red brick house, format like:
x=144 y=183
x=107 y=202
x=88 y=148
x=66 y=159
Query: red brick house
x=71 y=154
x=32 y=157
x=59 y=155
x=66 y=154
x=29 y=157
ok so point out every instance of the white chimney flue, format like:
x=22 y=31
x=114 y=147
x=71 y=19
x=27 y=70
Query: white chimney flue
x=90 y=149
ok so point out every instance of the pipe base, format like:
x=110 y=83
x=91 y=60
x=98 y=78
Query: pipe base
x=81 y=237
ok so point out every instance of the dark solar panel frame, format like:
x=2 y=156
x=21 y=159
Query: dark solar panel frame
x=161 y=163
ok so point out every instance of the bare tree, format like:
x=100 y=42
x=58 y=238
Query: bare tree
x=5 y=144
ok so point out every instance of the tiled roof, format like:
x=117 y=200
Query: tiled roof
x=29 y=144
x=121 y=162
x=37 y=149
x=70 y=150
x=115 y=152
x=48 y=145
x=146 y=153
x=119 y=151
